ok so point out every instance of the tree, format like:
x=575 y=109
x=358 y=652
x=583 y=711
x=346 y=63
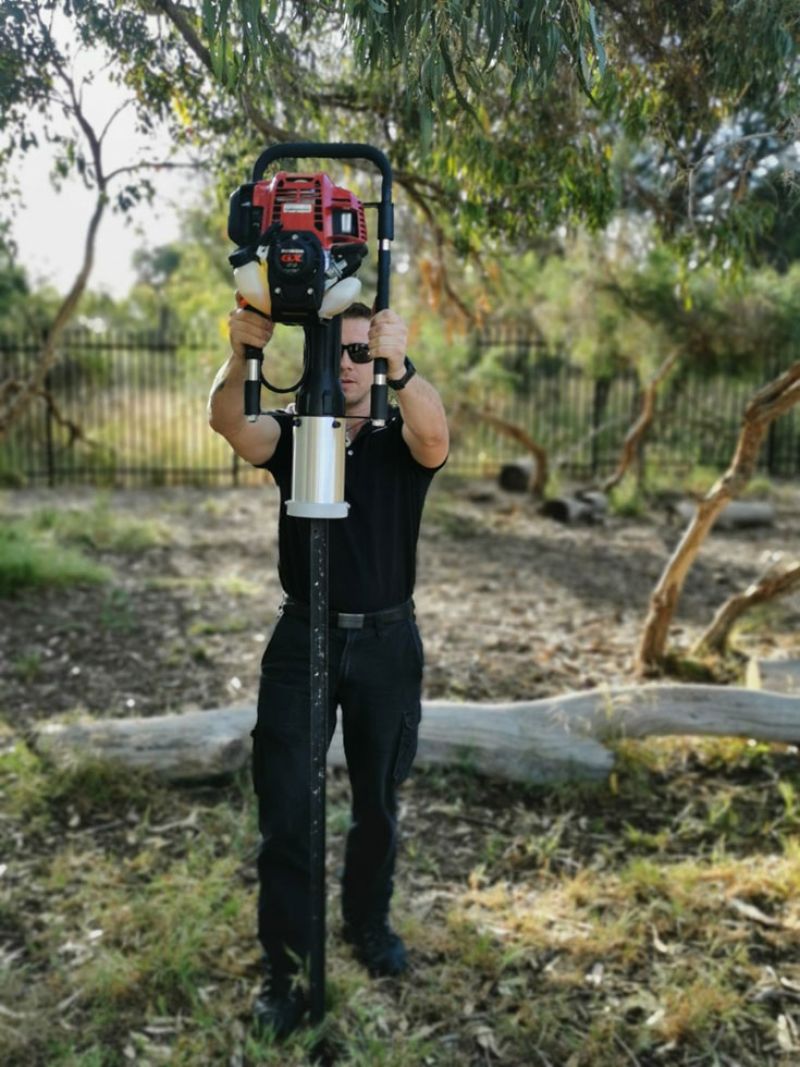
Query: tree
x=769 y=403
x=503 y=120
x=40 y=77
x=694 y=103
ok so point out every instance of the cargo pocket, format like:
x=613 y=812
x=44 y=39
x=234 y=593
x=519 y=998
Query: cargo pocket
x=418 y=649
x=256 y=760
x=407 y=748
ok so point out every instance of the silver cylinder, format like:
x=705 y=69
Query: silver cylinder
x=318 y=468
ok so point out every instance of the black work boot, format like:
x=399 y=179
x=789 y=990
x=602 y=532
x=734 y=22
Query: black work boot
x=377 y=946
x=279 y=1007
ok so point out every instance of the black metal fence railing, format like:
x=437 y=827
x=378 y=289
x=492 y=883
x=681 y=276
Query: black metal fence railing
x=131 y=410
x=582 y=418
x=119 y=410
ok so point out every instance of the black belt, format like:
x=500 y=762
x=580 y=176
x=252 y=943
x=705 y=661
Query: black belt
x=348 y=620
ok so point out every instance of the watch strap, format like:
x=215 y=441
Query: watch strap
x=400 y=383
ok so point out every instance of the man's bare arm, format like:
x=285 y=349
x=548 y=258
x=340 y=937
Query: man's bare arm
x=253 y=441
x=425 y=428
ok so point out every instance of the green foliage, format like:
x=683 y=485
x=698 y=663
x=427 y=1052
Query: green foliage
x=521 y=116
x=692 y=104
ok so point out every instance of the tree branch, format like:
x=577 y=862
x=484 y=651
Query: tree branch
x=516 y=433
x=642 y=424
x=779 y=579
x=775 y=398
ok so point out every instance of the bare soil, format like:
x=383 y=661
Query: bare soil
x=511 y=605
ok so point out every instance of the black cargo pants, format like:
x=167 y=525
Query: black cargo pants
x=375 y=677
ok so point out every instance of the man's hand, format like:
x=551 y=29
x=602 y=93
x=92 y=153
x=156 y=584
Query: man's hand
x=253 y=441
x=388 y=339
x=247 y=327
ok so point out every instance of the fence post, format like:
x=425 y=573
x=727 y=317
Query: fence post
x=772 y=432
x=602 y=387
x=48 y=433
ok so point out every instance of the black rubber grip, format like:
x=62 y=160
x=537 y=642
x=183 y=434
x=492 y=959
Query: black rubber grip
x=252 y=386
x=379 y=396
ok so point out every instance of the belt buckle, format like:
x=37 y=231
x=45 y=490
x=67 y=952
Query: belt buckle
x=349 y=621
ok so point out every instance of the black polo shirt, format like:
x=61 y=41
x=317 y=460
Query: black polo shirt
x=373 y=551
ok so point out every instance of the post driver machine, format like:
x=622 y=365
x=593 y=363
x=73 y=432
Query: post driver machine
x=301 y=241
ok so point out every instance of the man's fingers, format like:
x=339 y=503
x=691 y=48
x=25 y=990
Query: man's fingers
x=247 y=328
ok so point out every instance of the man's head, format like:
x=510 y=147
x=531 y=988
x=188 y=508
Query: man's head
x=355 y=378
x=357 y=311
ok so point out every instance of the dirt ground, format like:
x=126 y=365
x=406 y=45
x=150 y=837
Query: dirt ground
x=511 y=605
x=535 y=922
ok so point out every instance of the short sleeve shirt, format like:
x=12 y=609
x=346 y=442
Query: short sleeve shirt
x=372 y=552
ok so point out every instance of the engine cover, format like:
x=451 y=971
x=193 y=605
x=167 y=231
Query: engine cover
x=296 y=272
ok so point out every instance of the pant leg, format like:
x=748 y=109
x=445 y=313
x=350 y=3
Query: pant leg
x=379 y=687
x=281 y=778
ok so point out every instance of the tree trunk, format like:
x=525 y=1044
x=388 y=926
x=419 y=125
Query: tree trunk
x=16 y=394
x=780 y=578
x=770 y=402
x=555 y=739
x=540 y=471
x=636 y=433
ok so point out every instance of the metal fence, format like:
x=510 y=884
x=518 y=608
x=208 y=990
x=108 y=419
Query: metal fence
x=129 y=410
x=582 y=418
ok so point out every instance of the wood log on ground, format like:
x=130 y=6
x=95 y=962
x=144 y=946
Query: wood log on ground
x=542 y=741
x=518 y=475
x=737 y=515
x=582 y=506
x=777 y=675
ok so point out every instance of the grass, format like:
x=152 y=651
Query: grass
x=48 y=548
x=652 y=923
x=99 y=527
x=651 y=919
x=30 y=560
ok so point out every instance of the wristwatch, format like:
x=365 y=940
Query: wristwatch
x=400 y=383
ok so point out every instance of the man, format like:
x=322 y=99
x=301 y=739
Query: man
x=375 y=649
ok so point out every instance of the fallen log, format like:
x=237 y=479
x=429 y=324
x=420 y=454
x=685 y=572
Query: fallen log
x=737 y=515
x=777 y=675
x=542 y=741
x=583 y=506
x=518 y=475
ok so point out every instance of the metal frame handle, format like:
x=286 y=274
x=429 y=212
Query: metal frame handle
x=313 y=150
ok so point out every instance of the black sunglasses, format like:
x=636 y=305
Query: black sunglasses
x=358 y=351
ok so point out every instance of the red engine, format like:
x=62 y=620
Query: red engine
x=311 y=202
x=301 y=202
x=311 y=233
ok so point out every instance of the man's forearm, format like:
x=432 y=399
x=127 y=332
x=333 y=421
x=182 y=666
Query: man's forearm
x=424 y=421
x=226 y=401
x=422 y=408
